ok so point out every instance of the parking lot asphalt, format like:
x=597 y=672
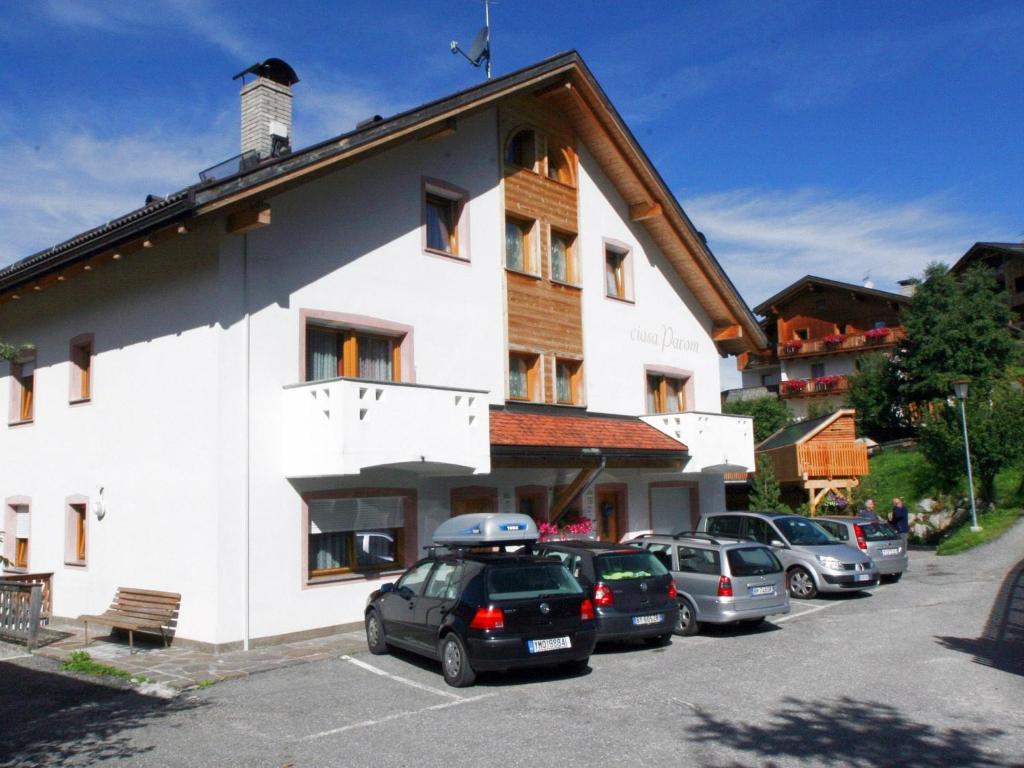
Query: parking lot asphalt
x=926 y=672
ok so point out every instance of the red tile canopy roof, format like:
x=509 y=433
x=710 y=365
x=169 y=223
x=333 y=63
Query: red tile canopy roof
x=513 y=428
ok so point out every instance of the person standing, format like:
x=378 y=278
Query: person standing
x=869 y=510
x=900 y=519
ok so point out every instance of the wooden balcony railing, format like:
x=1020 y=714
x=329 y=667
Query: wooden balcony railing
x=826 y=385
x=46 y=579
x=833 y=459
x=849 y=342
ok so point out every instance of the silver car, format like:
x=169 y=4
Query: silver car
x=815 y=561
x=876 y=538
x=720 y=580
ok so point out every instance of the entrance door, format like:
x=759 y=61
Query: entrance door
x=466 y=501
x=610 y=512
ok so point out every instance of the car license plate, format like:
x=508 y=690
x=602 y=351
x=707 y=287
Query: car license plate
x=862 y=577
x=890 y=552
x=656 y=618
x=768 y=589
x=551 y=644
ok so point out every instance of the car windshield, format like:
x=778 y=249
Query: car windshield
x=753 y=561
x=622 y=566
x=802 y=532
x=524 y=582
x=878 y=531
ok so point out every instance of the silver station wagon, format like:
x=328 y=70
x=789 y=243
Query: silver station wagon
x=720 y=580
x=815 y=561
x=879 y=540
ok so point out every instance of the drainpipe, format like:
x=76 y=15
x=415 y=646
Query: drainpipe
x=245 y=559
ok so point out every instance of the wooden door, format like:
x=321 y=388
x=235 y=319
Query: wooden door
x=469 y=504
x=609 y=507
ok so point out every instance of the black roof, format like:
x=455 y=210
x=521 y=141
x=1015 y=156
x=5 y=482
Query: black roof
x=790 y=434
x=765 y=306
x=979 y=250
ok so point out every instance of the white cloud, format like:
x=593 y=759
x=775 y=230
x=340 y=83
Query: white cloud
x=74 y=182
x=766 y=239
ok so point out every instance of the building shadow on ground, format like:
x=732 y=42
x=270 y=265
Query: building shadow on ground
x=846 y=732
x=50 y=718
x=1001 y=646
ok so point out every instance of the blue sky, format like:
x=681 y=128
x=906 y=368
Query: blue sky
x=833 y=138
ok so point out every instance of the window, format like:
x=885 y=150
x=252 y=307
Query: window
x=523 y=373
x=697 y=560
x=567 y=382
x=726 y=525
x=414 y=581
x=758 y=530
x=617 y=272
x=333 y=352
x=519 y=245
x=22 y=397
x=81 y=369
x=532 y=500
x=1018 y=284
x=17 y=526
x=817 y=370
x=522 y=150
x=803 y=334
x=355 y=534
x=442 y=224
x=444 y=584
x=75 y=538
x=665 y=394
x=560 y=163
x=563 y=258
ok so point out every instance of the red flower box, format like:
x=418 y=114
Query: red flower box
x=794 y=385
x=826 y=382
x=834 y=339
x=793 y=345
x=876 y=333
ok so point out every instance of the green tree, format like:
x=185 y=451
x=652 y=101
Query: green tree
x=766 y=496
x=882 y=413
x=816 y=409
x=770 y=414
x=995 y=423
x=954 y=328
x=13 y=351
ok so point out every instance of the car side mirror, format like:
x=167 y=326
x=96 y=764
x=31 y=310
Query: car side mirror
x=778 y=544
x=385 y=588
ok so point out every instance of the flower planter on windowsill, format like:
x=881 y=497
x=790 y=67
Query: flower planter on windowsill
x=792 y=346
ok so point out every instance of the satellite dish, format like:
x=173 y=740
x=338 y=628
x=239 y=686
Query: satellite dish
x=480 y=47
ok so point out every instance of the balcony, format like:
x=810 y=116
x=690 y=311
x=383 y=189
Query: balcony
x=717 y=443
x=343 y=426
x=832 y=459
x=853 y=342
x=824 y=385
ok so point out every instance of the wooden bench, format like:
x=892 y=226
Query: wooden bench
x=137 y=609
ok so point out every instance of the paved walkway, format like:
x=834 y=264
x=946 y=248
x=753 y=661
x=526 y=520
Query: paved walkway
x=181 y=668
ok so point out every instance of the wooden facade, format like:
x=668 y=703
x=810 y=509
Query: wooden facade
x=819 y=456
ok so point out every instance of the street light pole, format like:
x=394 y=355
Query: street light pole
x=960 y=390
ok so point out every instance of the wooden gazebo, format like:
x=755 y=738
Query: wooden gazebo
x=819 y=455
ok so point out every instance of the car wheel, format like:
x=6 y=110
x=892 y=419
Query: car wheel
x=375 y=634
x=801 y=584
x=751 y=623
x=686 y=624
x=455 y=663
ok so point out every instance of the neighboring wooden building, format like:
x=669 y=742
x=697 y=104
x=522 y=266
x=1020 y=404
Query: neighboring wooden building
x=818 y=455
x=817 y=330
x=1007 y=260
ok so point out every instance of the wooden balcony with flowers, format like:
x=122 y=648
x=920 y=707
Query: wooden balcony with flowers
x=874 y=338
x=821 y=385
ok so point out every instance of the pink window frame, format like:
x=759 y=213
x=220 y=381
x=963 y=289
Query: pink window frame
x=14 y=402
x=11 y=530
x=459 y=196
x=70 y=542
x=402 y=334
x=675 y=373
x=75 y=373
x=629 y=285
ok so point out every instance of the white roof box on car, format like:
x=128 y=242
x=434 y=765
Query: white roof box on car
x=482 y=529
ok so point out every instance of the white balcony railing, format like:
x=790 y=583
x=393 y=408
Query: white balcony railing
x=718 y=443
x=342 y=426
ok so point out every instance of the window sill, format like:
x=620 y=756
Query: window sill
x=352 y=576
x=446 y=255
x=566 y=284
x=15 y=569
x=75 y=563
x=80 y=401
x=22 y=423
x=521 y=272
x=620 y=299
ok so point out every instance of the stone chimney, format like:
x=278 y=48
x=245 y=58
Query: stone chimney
x=267 y=108
x=909 y=286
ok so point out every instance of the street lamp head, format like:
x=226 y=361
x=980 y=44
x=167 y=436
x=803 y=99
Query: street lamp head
x=960 y=388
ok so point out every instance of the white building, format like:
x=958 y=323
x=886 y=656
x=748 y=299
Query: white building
x=266 y=390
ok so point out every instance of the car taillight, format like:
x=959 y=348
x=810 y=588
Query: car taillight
x=586 y=610
x=672 y=590
x=859 y=533
x=724 y=586
x=602 y=595
x=488 y=618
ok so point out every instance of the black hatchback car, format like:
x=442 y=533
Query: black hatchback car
x=634 y=595
x=484 y=610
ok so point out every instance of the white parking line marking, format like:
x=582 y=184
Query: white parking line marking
x=403 y=680
x=395 y=716
x=805 y=612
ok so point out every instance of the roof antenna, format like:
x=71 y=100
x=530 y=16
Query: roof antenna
x=866 y=281
x=480 y=49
